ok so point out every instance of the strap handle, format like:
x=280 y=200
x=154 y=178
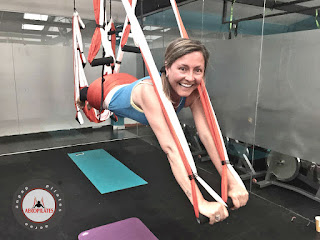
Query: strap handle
x=202 y=219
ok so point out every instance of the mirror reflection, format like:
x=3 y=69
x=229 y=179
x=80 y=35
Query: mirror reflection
x=287 y=107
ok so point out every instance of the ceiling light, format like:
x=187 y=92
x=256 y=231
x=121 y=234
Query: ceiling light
x=52 y=36
x=151 y=28
x=32 y=39
x=166 y=29
x=152 y=37
x=25 y=39
x=32 y=27
x=53 y=29
x=32 y=16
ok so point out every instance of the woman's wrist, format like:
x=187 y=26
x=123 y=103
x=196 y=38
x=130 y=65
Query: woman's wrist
x=231 y=180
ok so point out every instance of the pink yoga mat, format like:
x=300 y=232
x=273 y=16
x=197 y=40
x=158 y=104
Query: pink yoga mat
x=128 y=229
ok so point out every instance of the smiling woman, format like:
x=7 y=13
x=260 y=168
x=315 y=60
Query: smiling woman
x=125 y=96
x=186 y=73
x=185 y=65
x=183 y=57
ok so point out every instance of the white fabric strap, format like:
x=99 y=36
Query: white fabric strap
x=80 y=79
x=210 y=191
x=106 y=44
x=120 y=52
x=138 y=35
x=79 y=38
x=176 y=14
x=79 y=76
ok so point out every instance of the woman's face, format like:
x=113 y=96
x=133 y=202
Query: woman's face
x=186 y=73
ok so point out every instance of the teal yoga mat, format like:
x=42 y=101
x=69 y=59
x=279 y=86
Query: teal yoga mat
x=105 y=172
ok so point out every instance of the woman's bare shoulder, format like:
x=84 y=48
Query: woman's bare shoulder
x=142 y=93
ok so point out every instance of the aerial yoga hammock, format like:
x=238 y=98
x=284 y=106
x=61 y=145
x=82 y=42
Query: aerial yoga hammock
x=169 y=112
x=80 y=80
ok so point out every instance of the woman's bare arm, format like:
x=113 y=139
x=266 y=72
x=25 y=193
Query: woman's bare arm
x=238 y=194
x=145 y=97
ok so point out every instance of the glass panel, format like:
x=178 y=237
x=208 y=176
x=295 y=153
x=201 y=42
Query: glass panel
x=8 y=121
x=232 y=74
x=37 y=84
x=287 y=126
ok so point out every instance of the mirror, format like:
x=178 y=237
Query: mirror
x=287 y=126
x=232 y=73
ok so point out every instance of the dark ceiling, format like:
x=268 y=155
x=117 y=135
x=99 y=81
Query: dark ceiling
x=153 y=6
x=11 y=22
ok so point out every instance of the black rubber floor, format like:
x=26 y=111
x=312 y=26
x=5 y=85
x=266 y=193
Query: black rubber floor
x=160 y=205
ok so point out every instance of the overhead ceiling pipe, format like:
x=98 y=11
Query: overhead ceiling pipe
x=298 y=9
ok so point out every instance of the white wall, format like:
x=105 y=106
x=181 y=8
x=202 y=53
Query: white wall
x=37 y=87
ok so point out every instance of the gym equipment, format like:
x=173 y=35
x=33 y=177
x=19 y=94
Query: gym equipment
x=105 y=172
x=310 y=174
x=240 y=153
x=131 y=228
x=197 y=149
x=283 y=169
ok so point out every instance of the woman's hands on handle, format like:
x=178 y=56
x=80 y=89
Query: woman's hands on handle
x=212 y=212
x=218 y=211
x=238 y=194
